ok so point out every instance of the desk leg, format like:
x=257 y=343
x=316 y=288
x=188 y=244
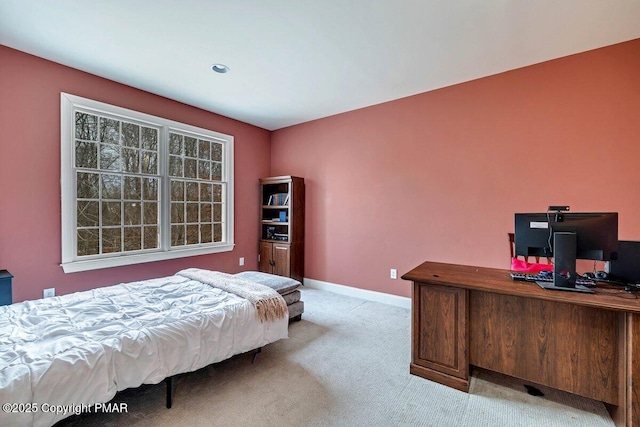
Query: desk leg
x=633 y=370
x=627 y=414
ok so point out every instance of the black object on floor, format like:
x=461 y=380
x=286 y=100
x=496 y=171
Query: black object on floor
x=533 y=391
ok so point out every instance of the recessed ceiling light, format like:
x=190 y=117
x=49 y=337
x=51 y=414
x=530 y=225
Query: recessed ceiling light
x=220 y=68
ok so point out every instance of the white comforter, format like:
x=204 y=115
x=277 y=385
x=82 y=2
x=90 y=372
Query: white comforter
x=82 y=348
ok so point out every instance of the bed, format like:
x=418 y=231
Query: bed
x=81 y=348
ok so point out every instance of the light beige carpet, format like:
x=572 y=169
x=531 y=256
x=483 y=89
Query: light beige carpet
x=345 y=364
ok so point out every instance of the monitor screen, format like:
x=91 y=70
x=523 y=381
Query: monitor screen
x=596 y=233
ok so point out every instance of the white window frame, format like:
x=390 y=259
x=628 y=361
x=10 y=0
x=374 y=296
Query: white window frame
x=70 y=261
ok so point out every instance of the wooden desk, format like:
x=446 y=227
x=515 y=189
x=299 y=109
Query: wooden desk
x=587 y=344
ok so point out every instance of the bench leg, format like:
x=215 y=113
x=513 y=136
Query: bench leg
x=258 y=350
x=169 y=382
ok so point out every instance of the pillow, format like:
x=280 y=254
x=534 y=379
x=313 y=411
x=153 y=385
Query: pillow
x=280 y=284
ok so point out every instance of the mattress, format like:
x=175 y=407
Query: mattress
x=81 y=348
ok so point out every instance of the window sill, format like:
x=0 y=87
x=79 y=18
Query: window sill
x=122 y=260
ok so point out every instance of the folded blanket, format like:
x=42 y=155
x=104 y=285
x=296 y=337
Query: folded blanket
x=269 y=304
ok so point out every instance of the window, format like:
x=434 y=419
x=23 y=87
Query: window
x=138 y=188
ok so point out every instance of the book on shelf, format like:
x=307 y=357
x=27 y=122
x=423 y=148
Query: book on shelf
x=274 y=220
x=279 y=199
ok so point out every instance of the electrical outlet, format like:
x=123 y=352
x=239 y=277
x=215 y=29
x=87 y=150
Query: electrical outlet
x=394 y=273
x=242 y=260
x=49 y=292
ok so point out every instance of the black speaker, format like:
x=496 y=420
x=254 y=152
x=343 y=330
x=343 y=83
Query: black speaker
x=564 y=266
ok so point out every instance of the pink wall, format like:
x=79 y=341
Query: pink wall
x=438 y=176
x=30 y=175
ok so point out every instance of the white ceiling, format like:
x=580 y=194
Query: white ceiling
x=297 y=60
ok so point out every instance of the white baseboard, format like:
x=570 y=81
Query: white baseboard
x=381 y=297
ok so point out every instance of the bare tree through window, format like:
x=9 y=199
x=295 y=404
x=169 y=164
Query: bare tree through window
x=136 y=187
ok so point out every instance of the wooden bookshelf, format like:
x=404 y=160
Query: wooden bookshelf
x=282 y=226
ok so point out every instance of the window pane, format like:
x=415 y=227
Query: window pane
x=132 y=213
x=217 y=193
x=149 y=139
x=87 y=186
x=204 y=169
x=175 y=166
x=216 y=152
x=86 y=155
x=150 y=213
x=177 y=190
x=111 y=213
x=177 y=235
x=217 y=232
x=190 y=168
x=109 y=157
x=111 y=187
x=216 y=171
x=205 y=192
x=204 y=152
x=206 y=235
x=192 y=212
x=111 y=240
x=149 y=162
x=205 y=212
x=131 y=160
x=193 y=234
x=190 y=147
x=109 y=130
x=132 y=188
x=86 y=126
x=88 y=242
x=88 y=214
x=150 y=237
x=132 y=239
x=131 y=135
x=177 y=213
x=192 y=191
x=150 y=188
x=217 y=212
x=175 y=144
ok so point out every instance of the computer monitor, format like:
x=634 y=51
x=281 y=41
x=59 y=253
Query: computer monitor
x=596 y=233
x=566 y=237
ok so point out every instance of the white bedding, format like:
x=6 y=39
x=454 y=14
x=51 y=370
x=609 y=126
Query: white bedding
x=84 y=347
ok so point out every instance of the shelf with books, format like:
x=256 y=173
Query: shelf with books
x=278 y=199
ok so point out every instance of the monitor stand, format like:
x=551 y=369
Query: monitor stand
x=575 y=288
x=564 y=265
